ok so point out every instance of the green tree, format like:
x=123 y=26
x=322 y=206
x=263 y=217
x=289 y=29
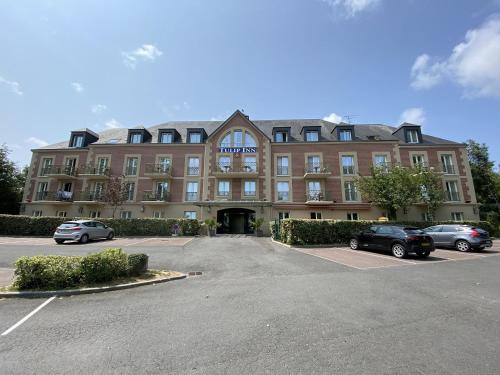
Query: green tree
x=391 y=188
x=11 y=183
x=431 y=188
x=115 y=193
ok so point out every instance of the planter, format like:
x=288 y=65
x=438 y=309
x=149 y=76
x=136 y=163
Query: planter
x=259 y=232
x=211 y=233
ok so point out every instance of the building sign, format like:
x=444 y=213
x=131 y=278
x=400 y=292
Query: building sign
x=238 y=150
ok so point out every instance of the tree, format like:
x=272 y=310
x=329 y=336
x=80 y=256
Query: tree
x=11 y=183
x=115 y=193
x=391 y=188
x=431 y=188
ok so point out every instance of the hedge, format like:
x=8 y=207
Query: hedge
x=59 y=271
x=46 y=225
x=320 y=232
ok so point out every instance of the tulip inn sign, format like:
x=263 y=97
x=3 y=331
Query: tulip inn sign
x=238 y=150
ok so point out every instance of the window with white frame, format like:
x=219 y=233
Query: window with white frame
x=457 y=216
x=283 y=215
x=192 y=191
x=238 y=138
x=316 y=215
x=94 y=214
x=380 y=160
x=250 y=188
x=352 y=216
x=158 y=214
x=41 y=192
x=283 y=188
x=164 y=164
x=102 y=165
x=452 y=191
x=314 y=192
x=412 y=136
x=37 y=213
x=313 y=164
x=447 y=162
x=350 y=191
x=193 y=168
x=427 y=216
x=250 y=164
x=418 y=160
x=126 y=215
x=129 y=191
x=77 y=141
x=195 y=137
x=166 y=137
x=348 y=164
x=46 y=166
x=61 y=213
x=161 y=191
x=136 y=138
x=223 y=188
x=345 y=135
x=132 y=166
x=282 y=167
x=312 y=136
x=281 y=137
x=190 y=215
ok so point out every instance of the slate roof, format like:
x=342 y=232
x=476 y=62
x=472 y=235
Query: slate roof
x=362 y=131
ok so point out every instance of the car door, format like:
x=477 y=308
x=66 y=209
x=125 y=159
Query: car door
x=383 y=237
x=435 y=233
x=101 y=230
x=366 y=238
x=447 y=235
x=91 y=229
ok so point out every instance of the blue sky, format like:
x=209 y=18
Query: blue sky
x=98 y=64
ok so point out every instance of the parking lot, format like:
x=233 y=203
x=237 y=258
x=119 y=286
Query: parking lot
x=260 y=307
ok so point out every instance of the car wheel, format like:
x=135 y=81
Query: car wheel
x=59 y=242
x=354 y=244
x=84 y=238
x=462 y=245
x=110 y=236
x=398 y=250
x=425 y=254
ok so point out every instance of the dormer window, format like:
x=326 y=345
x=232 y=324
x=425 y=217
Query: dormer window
x=195 y=137
x=345 y=135
x=77 y=141
x=166 y=137
x=312 y=136
x=412 y=136
x=135 y=138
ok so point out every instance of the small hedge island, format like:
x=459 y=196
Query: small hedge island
x=52 y=272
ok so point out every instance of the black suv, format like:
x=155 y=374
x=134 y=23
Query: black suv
x=400 y=240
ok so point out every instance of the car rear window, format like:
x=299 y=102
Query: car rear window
x=413 y=231
x=68 y=225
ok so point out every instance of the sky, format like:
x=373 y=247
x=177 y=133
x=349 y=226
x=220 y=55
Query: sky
x=67 y=65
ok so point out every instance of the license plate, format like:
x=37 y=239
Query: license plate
x=425 y=244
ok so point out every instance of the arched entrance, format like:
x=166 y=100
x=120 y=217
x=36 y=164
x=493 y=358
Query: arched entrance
x=235 y=220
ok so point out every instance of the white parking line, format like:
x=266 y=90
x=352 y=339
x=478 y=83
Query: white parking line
x=376 y=255
x=28 y=316
x=141 y=241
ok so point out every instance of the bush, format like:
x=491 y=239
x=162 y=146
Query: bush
x=45 y=226
x=47 y=272
x=319 y=232
x=137 y=264
x=104 y=266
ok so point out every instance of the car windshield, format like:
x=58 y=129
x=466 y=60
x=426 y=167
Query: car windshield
x=68 y=225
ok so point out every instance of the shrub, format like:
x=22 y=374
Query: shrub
x=47 y=272
x=137 y=264
x=317 y=232
x=104 y=266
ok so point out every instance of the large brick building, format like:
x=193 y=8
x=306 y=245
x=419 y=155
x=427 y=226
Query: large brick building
x=238 y=169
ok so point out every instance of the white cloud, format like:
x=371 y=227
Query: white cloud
x=147 y=52
x=473 y=64
x=77 y=86
x=14 y=86
x=413 y=116
x=352 y=7
x=112 y=124
x=98 y=108
x=36 y=141
x=333 y=117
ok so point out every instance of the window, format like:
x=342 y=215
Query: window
x=193 y=166
x=283 y=215
x=316 y=215
x=426 y=216
x=192 y=191
x=161 y=190
x=77 y=141
x=347 y=164
x=164 y=164
x=281 y=137
x=250 y=164
x=457 y=216
x=418 y=160
x=158 y=214
x=190 y=215
x=238 y=138
x=226 y=141
x=195 y=137
x=282 y=167
x=135 y=138
x=132 y=165
x=37 y=213
x=94 y=214
x=224 y=163
x=98 y=190
x=412 y=136
x=102 y=165
x=352 y=216
x=41 y=192
x=313 y=164
x=250 y=188
x=380 y=160
x=350 y=191
x=249 y=140
x=223 y=188
x=452 y=191
x=314 y=191
x=126 y=215
x=384 y=230
x=345 y=135
x=283 y=191
x=312 y=136
x=129 y=191
x=166 y=137
x=70 y=166
x=61 y=213
x=447 y=161
x=46 y=166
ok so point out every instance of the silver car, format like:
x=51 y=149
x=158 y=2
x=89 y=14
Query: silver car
x=82 y=231
x=460 y=237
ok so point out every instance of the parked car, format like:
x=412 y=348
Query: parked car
x=82 y=231
x=460 y=237
x=400 y=240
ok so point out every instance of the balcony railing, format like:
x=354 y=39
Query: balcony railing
x=243 y=167
x=193 y=171
x=60 y=170
x=90 y=196
x=452 y=196
x=157 y=169
x=191 y=197
x=59 y=196
x=282 y=170
x=283 y=196
x=91 y=170
x=154 y=196
x=317 y=170
x=316 y=196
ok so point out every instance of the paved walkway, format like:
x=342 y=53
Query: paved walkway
x=6 y=276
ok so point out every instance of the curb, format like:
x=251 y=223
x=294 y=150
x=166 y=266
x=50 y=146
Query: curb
x=74 y=292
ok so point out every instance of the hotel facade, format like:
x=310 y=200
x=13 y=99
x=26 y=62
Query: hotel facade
x=238 y=169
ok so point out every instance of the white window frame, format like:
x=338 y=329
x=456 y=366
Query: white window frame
x=248 y=192
x=190 y=215
x=280 y=192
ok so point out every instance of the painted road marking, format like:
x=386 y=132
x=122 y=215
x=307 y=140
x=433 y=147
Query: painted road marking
x=28 y=316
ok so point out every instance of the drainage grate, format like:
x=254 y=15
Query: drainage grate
x=195 y=273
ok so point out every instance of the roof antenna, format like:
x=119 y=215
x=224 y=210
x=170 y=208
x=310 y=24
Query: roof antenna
x=349 y=117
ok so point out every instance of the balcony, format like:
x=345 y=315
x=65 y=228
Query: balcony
x=193 y=171
x=158 y=170
x=54 y=196
x=348 y=170
x=282 y=170
x=191 y=197
x=452 y=196
x=96 y=173
x=90 y=196
x=153 y=197
x=236 y=170
x=317 y=171
x=61 y=171
x=317 y=197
